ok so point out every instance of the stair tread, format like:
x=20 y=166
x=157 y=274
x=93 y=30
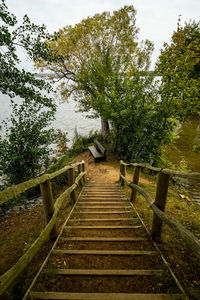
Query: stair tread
x=104 y=227
x=103 y=199
x=104 y=296
x=104 y=207
x=108 y=239
x=104 y=252
x=104 y=212
x=101 y=202
x=102 y=220
x=111 y=272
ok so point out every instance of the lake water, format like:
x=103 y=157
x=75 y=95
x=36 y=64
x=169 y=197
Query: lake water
x=66 y=117
x=183 y=154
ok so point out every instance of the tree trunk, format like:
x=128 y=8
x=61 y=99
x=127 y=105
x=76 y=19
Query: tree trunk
x=104 y=127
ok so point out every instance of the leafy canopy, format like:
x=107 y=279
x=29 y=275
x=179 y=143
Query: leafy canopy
x=87 y=40
x=130 y=102
x=179 y=66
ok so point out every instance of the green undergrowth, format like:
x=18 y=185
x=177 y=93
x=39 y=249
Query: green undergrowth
x=184 y=263
x=80 y=144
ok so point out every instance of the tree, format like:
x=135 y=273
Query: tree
x=178 y=66
x=130 y=102
x=107 y=70
x=24 y=147
x=89 y=41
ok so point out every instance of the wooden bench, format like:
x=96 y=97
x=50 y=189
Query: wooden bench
x=98 y=151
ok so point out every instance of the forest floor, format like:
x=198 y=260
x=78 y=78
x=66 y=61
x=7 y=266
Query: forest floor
x=19 y=229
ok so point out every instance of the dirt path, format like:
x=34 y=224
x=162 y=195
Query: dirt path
x=107 y=171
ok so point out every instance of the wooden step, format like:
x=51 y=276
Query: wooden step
x=92 y=200
x=103 y=227
x=103 y=239
x=105 y=189
x=103 y=296
x=104 y=207
x=102 y=202
x=106 y=194
x=97 y=190
x=103 y=212
x=94 y=183
x=110 y=195
x=114 y=191
x=103 y=252
x=101 y=220
x=103 y=272
x=120 y=196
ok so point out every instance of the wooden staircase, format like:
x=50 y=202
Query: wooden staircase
x=104 y=252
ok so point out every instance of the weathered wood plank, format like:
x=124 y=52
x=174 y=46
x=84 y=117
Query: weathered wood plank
x=104 y=212
x=123 y=172
x=101 y=220
x=100 y=148
x=103 y=227
x=119 y=203
x=103 y=198
x=110 y=272
x=104 y=207
x=104 y=296
x=71 y=174
x=160 y=202
x=106 y=192
x=103 y=252
x=48 y=202
x=104 y=239
x=135 y=181
x=94 y=152
x=104 y=195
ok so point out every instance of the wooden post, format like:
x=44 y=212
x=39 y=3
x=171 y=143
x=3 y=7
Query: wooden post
x=79 y=171
x=48 y=202
x=120 y=171
x=160 y=202
x=123 y=172
x=71 y=182
x=83 y=170
x=135 y=181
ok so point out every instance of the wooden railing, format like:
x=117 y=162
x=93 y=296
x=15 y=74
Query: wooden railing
x=51 y=213
x=158 y=206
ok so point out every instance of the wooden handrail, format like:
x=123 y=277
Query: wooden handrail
x=158 y=206
x=187 y=236
x=7 y=278
x=20 y=188
x=194 y=175
x=51 y=212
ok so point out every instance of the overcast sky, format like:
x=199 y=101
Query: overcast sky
x=157 y=19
